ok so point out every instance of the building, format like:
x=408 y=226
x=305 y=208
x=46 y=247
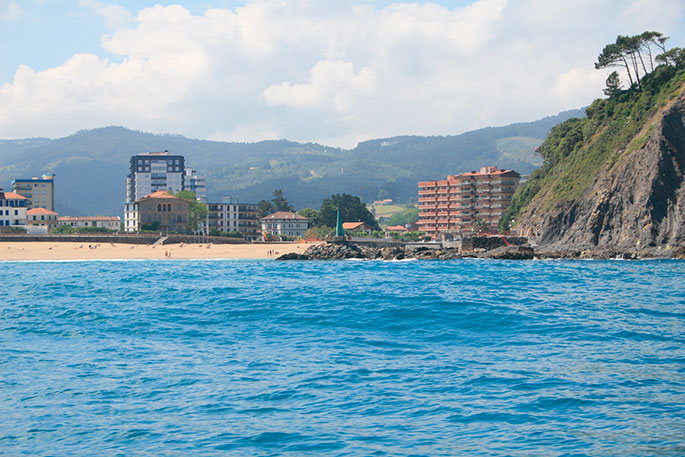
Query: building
x=196 y=183
x=12 y=210
x=468 y=202
x=154 y=171
x=41 y=220
x=284 y=223
x=108 y=222
x=157 y=211
x=40 y=192
x=357 y=227
x=229 y=216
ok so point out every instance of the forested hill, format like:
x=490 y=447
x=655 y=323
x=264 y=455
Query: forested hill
x=91 y=165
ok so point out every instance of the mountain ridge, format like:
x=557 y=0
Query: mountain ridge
x=91 y=165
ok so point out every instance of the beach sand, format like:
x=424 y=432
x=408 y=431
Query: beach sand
x=81 y=251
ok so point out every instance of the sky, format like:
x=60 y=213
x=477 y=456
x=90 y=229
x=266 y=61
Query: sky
x=327 y=71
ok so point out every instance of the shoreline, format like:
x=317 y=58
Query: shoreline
x=78 y=251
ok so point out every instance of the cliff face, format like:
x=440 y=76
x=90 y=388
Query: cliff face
x=636 y=199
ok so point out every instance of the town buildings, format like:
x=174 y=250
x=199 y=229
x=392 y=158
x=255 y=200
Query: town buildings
x=12 y=210
x=40 y=220
x=284 y=223
x=108 y=222
x=468 y=202
x=229 y=216
x=157 y=211
x=39 y=192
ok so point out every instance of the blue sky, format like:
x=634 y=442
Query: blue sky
x=308 y=70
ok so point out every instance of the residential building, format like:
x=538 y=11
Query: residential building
x=108 y=222
x=284 y=223
x=196 y=183
x=357 y=227
x=12 y=209
x=41 y=220
x=153 y=171
x=40 y=192
x=231 y=216
x=468 y=202
x=157 y=211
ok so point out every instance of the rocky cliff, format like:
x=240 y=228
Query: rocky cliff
x=622 y=186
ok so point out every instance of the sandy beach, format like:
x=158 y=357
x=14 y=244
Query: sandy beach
x=13 y=251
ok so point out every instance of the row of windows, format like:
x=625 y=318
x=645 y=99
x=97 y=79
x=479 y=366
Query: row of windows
x=12 y=203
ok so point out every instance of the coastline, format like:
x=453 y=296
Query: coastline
x=47 y=251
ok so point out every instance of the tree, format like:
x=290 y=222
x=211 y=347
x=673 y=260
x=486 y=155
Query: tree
x=674 y=57
x=613 y=85
x=198 y=211
x=626 y=53
x=280 y=203
x=311 y=214
x=351 y=210
x=277 y=203
x=265 y=207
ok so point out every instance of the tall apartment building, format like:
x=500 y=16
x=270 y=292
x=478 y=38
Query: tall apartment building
x=39 y=192
x=153 y=171
x=196 y=183
x=465 y=202
x=231 y=216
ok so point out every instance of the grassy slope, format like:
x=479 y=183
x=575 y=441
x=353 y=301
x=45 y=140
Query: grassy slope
x=578 y=150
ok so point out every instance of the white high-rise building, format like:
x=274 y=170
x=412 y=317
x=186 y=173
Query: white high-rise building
x=197 y=183
x=154 y=171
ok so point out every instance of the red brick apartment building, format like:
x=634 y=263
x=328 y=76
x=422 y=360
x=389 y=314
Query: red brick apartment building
x=451 y=206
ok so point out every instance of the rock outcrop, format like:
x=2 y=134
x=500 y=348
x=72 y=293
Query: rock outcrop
x=633 y=205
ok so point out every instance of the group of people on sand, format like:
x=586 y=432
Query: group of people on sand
x=271 y=252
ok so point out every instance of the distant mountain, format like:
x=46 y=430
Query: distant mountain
x=91 y=165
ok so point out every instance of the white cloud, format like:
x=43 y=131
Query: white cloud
x=317 y=71
x=10 y=10
x=115 y=16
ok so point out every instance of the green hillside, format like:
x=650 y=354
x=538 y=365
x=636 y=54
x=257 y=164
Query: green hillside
x=578 y=151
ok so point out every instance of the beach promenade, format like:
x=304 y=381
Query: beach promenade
x=13 y=251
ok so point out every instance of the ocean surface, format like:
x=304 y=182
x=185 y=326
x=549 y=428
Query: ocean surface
x=349 y=358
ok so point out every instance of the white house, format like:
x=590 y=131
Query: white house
x=108 y=222
x=12 y=209
x=284 y=223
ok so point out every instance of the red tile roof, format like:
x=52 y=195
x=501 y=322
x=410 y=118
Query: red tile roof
x=12 y=196
x=33 y=211
x=284 y=215
x=397 y=228
x=160 y=194
x=355 y=225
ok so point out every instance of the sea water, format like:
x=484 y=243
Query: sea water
x=252 y=358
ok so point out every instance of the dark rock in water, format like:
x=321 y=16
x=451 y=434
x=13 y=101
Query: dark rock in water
x=293 y=256
x=509 y=253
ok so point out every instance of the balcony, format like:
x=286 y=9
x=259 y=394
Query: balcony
x=426 y=199
x=427 y=192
